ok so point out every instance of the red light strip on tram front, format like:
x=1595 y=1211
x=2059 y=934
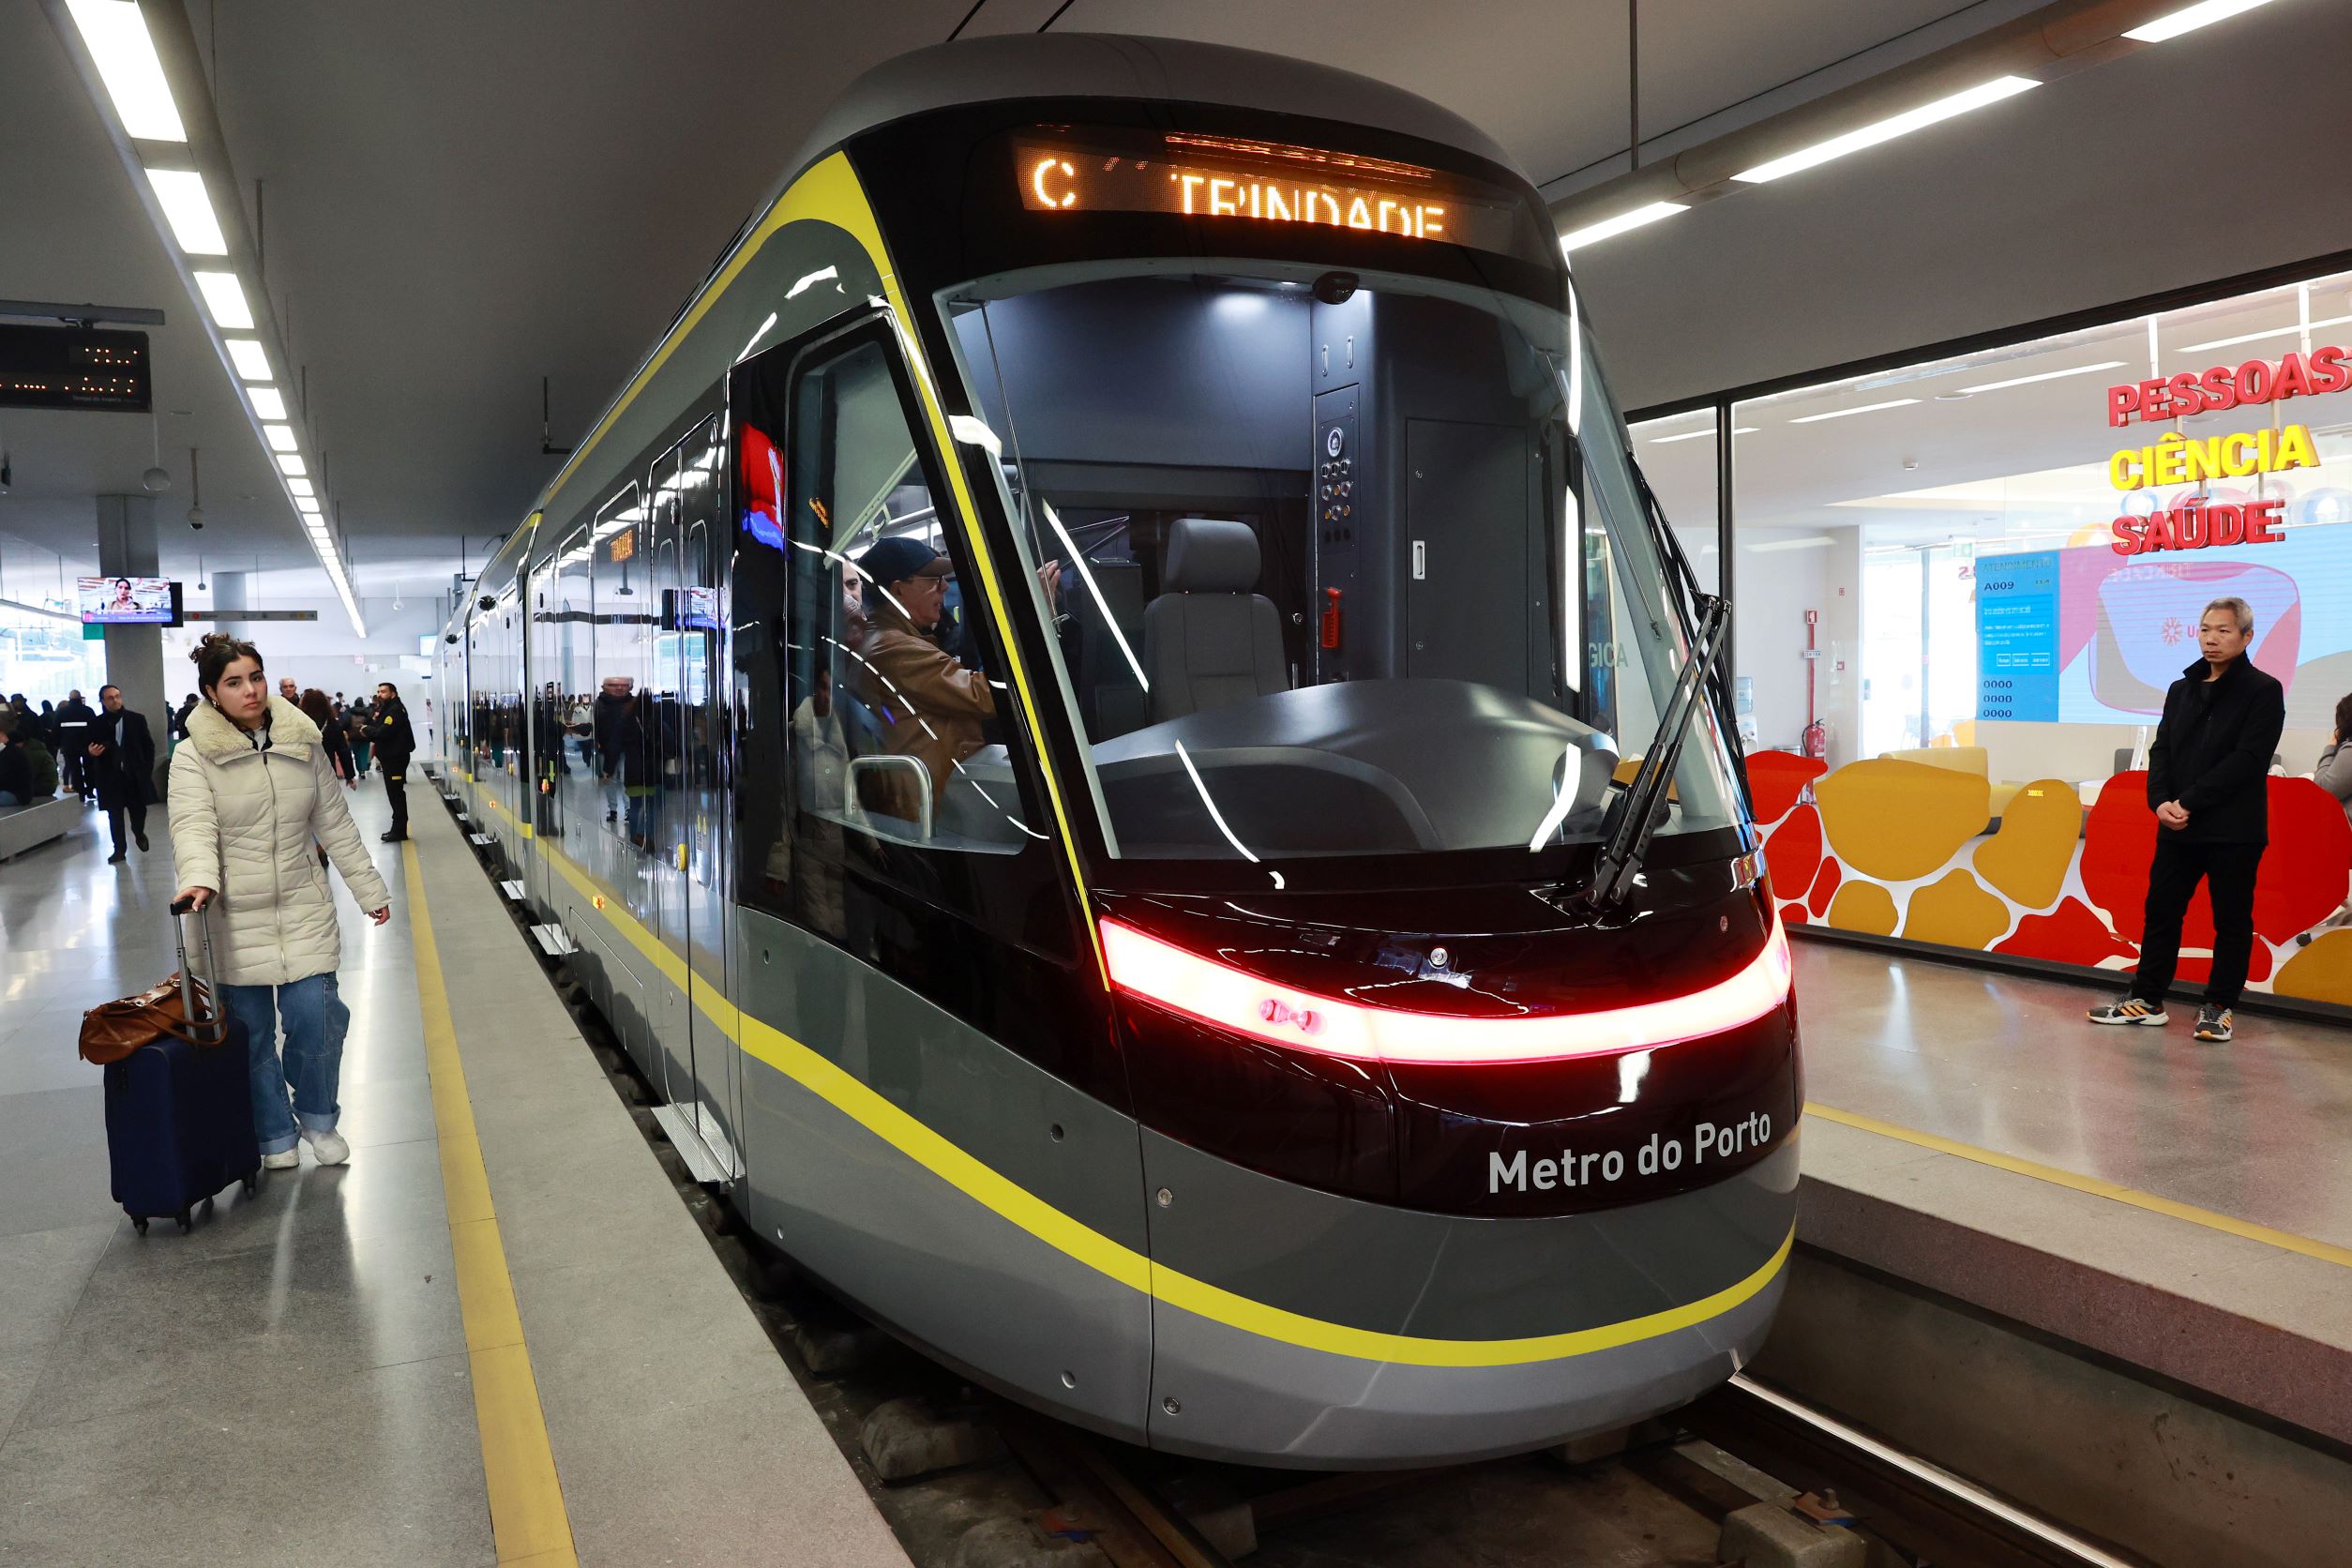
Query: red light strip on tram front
x=1174 y=977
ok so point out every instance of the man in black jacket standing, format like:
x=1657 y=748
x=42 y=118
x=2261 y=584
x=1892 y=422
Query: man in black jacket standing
x=77 y=727
x=119 y=764
x=2209 y=782
x=388 y=729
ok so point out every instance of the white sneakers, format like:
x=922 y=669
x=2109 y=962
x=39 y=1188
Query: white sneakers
x=285 y=1159
x=329 y=1148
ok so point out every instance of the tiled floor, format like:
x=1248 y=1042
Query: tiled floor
x=289 y=1384
x=2254 y=1129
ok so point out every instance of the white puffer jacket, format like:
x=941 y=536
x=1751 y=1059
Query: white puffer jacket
x=243 y=820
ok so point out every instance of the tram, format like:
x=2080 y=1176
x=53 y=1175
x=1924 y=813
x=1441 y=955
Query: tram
x=1112 y=723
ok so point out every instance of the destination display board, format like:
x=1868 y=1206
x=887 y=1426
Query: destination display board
x=74 y=367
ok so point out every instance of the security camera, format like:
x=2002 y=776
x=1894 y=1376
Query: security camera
x=450 y=638
x=1336 y=288
x=196 y=518
x=487 y=602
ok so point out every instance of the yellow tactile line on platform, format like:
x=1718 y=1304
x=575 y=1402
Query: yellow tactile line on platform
x=526 y=1499
x=2286 y=1241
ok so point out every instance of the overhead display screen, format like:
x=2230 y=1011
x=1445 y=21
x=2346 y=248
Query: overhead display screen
x=72 y=366
x=1220 y=178
x=113 y=601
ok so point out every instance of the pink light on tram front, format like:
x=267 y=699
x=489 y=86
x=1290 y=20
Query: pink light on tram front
x=1215 y=992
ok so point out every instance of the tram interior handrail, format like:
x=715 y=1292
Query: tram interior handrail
x=854 y=805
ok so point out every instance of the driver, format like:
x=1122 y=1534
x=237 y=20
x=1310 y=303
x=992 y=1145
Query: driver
x=930 y=705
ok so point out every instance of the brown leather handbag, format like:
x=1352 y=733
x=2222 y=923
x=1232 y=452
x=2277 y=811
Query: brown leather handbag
x=182 y=1007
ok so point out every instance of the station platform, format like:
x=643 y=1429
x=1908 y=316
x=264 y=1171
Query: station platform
x=2120 y=1261
x=495 y=1337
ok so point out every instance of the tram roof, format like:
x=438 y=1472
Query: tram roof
x=1014 y=66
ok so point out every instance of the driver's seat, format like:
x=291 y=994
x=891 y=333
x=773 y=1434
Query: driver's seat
x=1208 y=639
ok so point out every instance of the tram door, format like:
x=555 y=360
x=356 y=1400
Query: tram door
x=698 y=1057
x=560 y=625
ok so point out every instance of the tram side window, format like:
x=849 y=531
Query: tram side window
x=887 y=683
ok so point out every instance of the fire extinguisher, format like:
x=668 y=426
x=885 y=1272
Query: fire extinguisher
x=1814 y=742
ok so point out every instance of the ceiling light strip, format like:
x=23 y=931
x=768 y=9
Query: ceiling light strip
x=2190 y=19
x=1888 y=130
x=1844 y=412
x=151 y=90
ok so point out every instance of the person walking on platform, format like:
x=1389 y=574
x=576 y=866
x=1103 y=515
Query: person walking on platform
x=332 y=735
x=75 y=725
x=2208 y=783
x=120 y=768
x=178 y=730
x=250 y=793
x=394 y=740
x=356 y=721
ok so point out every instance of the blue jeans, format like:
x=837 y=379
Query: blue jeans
x=315 y=1019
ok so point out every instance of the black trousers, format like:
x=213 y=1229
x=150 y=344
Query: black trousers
x=115 y=824
x=396 y=791
x=2228 y=873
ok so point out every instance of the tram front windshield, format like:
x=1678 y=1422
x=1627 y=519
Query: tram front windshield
x=1338 y=564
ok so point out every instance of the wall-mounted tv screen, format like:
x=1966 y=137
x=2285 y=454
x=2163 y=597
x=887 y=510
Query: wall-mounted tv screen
x=116 y=601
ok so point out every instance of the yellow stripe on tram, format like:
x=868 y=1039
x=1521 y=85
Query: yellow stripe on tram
x=529 y=1522
x=1002 y=1196
x=2285 y=1241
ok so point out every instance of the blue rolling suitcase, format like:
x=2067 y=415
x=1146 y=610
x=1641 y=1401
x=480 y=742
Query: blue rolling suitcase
x=179 y=1114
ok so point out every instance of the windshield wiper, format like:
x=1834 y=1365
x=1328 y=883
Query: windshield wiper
x=1641 y=809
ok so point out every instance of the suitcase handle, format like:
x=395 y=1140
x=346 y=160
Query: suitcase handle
x=181 y=910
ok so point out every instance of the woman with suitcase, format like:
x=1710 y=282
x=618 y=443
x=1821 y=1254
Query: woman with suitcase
x=251 y=791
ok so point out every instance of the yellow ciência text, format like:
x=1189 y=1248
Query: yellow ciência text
x=2178 y=460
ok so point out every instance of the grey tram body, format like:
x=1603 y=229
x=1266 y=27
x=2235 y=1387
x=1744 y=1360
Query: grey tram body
x=879 y=1223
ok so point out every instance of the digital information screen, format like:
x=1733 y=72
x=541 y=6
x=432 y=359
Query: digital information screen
x=73 y=367
x=128 y=601
x=1262 y=182
x=2018 y=636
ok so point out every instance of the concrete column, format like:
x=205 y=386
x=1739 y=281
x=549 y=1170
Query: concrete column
x=228 y=592
x=134 y=655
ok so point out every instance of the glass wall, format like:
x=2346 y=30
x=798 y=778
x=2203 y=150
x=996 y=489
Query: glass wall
x=1963 y=586
x=43 y=653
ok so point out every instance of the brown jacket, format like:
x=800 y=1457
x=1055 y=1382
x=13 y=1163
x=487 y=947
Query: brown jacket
x=929 y=705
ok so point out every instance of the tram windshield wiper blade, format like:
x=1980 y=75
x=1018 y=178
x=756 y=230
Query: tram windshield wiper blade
x=1643 y=804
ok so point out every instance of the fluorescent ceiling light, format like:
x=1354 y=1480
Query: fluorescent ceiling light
x=224 y=296
x=1694 y=435
x=2190 y=19
x=180 y=192
x=116 y=37
x=1888 y=130
x=300 y=486
x=1619 y=224
x=2268 y=332
x=282 y=437
x=269 y=401
x=1814 y=541
x=1842 y=412
x=249 y=357
x=2046 y=376
x=308 y=506
x=290 y=464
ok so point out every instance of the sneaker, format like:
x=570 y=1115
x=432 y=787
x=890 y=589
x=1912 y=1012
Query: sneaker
x=2129 y=1009
x=2213 y=1023
x=327 y=1148
x=285 y=1159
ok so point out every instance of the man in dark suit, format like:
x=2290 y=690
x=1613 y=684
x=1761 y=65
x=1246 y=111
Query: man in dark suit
x=394 y=740
x=2209 y=782
x=119 y=764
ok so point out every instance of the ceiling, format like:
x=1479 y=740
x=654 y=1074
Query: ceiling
x=463 y=196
